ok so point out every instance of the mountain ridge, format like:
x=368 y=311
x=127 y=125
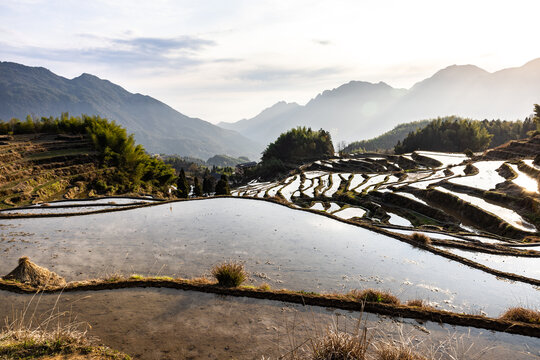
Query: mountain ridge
x=361 y=110
x=39 y=92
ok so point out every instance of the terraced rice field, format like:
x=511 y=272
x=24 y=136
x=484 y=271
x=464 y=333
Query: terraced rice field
x=447 y=191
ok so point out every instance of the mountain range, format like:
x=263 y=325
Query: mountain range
x=354 y=111
x=159 y=128
x=361 y=110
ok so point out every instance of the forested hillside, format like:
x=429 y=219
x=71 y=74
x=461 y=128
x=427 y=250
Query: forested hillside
x=457 y=134
x=72 y=157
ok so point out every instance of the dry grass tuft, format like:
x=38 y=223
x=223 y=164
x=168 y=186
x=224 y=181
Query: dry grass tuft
x=385 y=351
x=421 y=238
x=264 y=287
x=29 y=273
x=416 y=303
x=337 y=345
x=372 y=295
x=230 y=274
x=522 y=315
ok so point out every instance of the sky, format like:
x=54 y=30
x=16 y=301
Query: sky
x=225 y=60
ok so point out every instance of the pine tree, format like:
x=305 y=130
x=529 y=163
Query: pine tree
x=197 y=188
x=182 y=186
x=222 y=186
x=208 y=183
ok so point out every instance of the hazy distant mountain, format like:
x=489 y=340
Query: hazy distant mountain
x=361 y=110
x=268 y=123
x=161 y=129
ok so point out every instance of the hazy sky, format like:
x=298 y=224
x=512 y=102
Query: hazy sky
x=224 y=60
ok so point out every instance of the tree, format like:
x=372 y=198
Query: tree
x=222 y=186
x=208 y=183
x=450 y=135
x=298 y=145
x=182 y=186
x=537 y=116
x=197 y=188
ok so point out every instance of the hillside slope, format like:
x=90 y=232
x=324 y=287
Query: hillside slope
x=159 y=128
x=360 y=110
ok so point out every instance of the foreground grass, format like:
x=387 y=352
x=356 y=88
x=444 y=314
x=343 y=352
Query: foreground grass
x=230 y=274
x=24 y=343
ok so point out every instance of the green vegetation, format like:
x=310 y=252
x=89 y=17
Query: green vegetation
x=226 y=161
x=290 y=149
x=372 y=295
x=230 y=274
x=502 y=131
x=386 y=141
x=522 y=315
x=536 y=117
x=209 y=183
x=299 y=144
x=137 y=171
x=134 y=169
x=454 y=134
x=182 y=187
x=197 y=188
x=222 y=186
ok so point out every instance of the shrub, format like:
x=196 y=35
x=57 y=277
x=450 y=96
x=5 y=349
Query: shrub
x=522 y=315
x=372 y=295
x=421 y=238
x=229 y=274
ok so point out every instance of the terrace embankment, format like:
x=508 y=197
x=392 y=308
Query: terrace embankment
x=515 y=149
x=42 y=167
x=337 y=301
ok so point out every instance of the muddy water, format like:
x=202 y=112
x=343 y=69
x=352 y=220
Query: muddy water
x=174 y=324
x=287 y=248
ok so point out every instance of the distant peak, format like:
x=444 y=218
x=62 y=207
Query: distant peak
x=454 y=70
x=533 y=63
x=86 y=76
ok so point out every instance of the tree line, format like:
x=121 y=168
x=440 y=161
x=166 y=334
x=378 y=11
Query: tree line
x=456 y=134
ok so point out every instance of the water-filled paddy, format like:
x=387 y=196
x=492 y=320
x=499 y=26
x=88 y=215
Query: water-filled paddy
x=172 y=324
x=525 y=266
x=487 y=177
x=506 y=214
x=284 y=247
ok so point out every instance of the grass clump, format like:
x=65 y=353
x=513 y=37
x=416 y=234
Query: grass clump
x=386 y=351
x=20 y=341
x=421 y=238
x=264 y=287
x=372 y=295
x=521 y=314
x=337 y=345
x=114 y=277
x=230 y=274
